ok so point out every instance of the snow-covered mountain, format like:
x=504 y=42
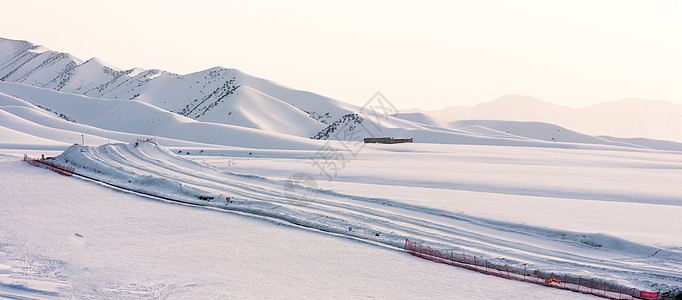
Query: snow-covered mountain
x=227 y=107
x=217 y=95
x=626 y=118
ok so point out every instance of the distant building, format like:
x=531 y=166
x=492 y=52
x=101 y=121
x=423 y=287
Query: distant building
x=387 y=140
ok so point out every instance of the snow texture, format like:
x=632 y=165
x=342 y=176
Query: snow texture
x=314 y=218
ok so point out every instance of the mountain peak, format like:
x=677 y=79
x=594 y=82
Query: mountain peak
x=96 y=61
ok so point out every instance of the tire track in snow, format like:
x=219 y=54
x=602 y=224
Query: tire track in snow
x=333 y=212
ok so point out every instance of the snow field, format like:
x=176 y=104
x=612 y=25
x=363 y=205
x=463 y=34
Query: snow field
x=132 y=247
x=387 y=219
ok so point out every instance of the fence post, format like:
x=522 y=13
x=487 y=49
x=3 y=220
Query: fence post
x=603 y=288
x=537 y=278
x=620 y=293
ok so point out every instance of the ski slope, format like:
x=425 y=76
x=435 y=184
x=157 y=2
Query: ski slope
x=381 y=220
x=82 y=240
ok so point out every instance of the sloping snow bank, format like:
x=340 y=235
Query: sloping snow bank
x=93 y=242
x=155 y=170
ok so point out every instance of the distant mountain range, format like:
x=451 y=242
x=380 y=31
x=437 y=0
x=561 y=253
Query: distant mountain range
x=627 y=118
x=55 y=96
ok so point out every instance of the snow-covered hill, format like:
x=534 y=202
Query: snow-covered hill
x=227 y=96
x=626 y=118
x=50 y=115
x=216 y=95
x=203 y=96
x=63 y=117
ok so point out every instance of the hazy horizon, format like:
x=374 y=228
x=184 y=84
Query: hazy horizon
x=428 y=56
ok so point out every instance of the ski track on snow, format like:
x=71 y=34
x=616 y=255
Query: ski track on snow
x=158 y=171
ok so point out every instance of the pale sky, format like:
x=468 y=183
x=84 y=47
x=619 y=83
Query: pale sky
x=426 y=54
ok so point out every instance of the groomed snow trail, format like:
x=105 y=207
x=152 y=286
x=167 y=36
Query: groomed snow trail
x=155 y=170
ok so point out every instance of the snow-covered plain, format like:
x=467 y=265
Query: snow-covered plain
x=561 y=210
x=64 y=237
x=305 y=218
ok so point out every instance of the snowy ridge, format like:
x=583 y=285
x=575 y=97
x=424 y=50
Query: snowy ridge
x=111 y=118
x=155 y=170
x=203 y=96
x=626 y=118
x=228 y=96
x=121 y=120
x=216 y=95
